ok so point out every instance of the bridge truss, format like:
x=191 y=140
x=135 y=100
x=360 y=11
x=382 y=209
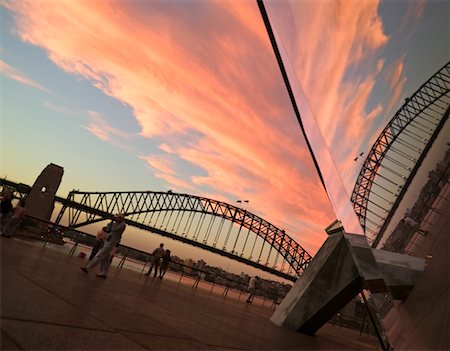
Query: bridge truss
x=212 y=225
x=209 y=224
x=398 y=153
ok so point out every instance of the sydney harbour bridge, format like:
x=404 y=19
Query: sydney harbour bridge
x=209 y=224
x=212 y=225
x=398 y=152
x=238 y=234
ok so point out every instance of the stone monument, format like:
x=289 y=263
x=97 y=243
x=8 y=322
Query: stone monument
x=41 y=199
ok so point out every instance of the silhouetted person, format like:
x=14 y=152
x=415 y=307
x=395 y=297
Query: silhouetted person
x=166 y=259
x=12 y=225
x=201 y=266
x=114 y=231
x=156 y=256
x=6 y=206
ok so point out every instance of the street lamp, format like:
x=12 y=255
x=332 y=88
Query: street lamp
x=246 y=203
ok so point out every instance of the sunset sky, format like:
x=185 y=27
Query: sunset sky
x=187 y=95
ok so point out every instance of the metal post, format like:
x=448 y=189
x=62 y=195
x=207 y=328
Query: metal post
x=384 y=344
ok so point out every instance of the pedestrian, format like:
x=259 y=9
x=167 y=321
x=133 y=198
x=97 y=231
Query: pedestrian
x=413 y=225
x=6 y=207
x=252 y=288
x=114 y=231
x=12 y=225
x=98 y=243
x=200 y=266
x=113 y=253
x=156 y=256
x=166 y=259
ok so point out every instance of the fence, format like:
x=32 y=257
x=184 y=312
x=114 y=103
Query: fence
x=75 y=242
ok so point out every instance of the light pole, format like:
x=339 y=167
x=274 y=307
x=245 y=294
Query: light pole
x=245 y=201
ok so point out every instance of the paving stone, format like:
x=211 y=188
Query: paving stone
x=48 y=303
x=44 y=336
x=6 y=343
x=158 y=342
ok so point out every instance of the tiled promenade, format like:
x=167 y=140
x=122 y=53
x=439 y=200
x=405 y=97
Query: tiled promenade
x=422 y=322
x=47 y=303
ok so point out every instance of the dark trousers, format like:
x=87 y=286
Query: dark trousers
x=155 y=264
x=97 y=246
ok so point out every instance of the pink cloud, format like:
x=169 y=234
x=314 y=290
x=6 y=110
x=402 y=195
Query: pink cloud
x=61 y=109
x=419 y=8
x=208 y=76
x=396 y=79
x=357 y=32
x=397 y=95
x=415 y=11
x=14 y=74
x=166 y=148
x=104 y=131
x=396 y=74
x=178 y=184
x=280 y=201
x=375 y=112
x=160 y=164
x=334 y=50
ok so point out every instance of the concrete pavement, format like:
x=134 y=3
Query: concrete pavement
x=48 y=303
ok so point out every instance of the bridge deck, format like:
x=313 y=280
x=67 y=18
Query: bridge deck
x=48 y=303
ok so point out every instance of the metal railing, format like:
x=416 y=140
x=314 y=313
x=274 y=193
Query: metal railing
x=50 y=233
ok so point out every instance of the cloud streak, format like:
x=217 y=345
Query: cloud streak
x=61 y=109
x=396 y=80
x=101 y=128
x=206 y=85
x=12 y=73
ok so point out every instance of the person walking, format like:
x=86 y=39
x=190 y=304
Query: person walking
x=6 y=207
x=114 y=234
x=252 y=288
x=156 y=256
x=98 y=243
x=12 y=225
x=113 y=253
x=166 y=259
x=414 y=226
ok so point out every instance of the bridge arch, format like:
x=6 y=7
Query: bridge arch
x=398 y=152
x=218 y=226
